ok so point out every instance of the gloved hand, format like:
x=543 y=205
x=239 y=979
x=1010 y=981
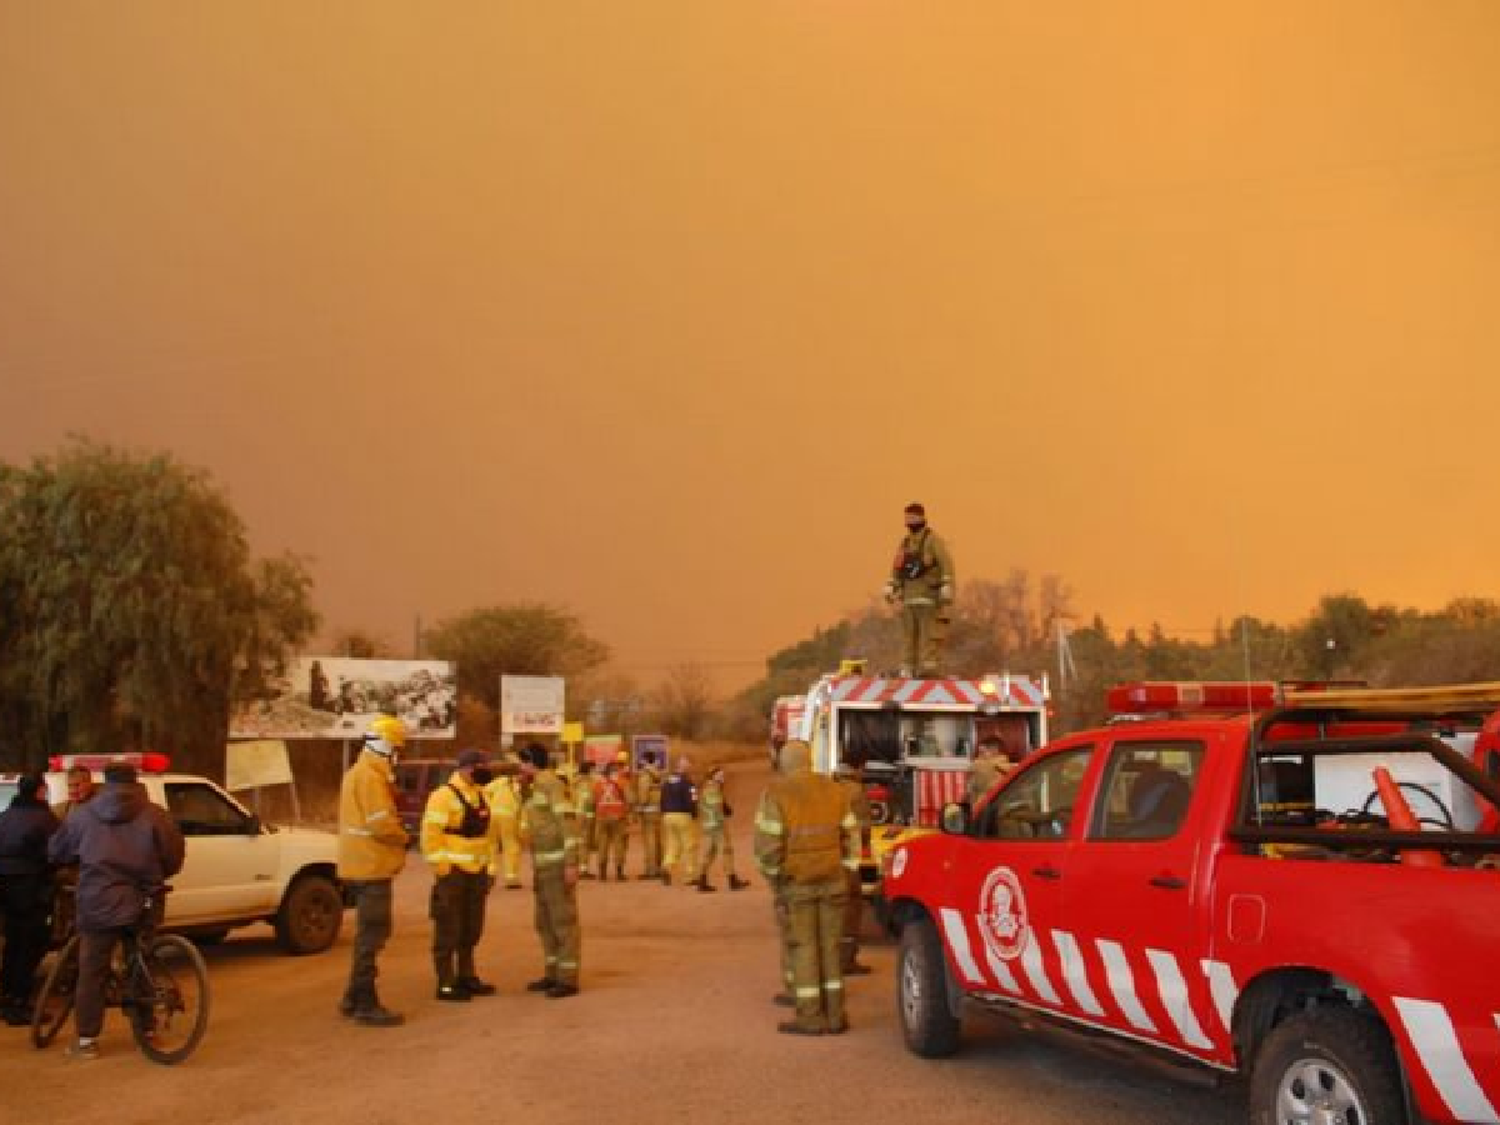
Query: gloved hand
x=945 y=594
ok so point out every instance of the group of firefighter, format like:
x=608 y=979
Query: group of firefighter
x=808 y=842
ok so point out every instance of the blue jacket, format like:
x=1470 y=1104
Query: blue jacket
x=125 y=848
x=24 y=829
x=679 y=795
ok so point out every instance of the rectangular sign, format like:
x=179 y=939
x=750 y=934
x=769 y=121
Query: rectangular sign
x=602 y=749
x=532 y=704
x=339 y=696
x=649 y=747
x=572 y=734
x=253 y=765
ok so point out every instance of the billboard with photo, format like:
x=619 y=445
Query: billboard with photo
x=338 y=696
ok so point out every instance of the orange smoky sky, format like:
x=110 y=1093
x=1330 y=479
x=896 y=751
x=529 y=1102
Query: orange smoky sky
x=664 y=310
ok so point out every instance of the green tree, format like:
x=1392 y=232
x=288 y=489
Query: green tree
x=133 y=611
x=525 y=639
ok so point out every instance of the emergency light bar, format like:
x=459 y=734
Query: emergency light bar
x=1201 y=696
x=149 y=762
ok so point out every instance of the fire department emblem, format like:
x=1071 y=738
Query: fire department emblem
x=1003 y=921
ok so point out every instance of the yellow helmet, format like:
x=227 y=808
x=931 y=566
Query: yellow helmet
x=386 y=735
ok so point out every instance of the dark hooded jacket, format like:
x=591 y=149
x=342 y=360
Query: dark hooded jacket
x=24 y=829
x=125 y=847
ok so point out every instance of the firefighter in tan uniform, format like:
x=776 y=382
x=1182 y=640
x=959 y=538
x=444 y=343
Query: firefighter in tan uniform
x=550 y=827
x=458 y=840
x=713 y=823
x=582 y=788
x=648 y=812
x=372 y=852
x=504 y=796
x=990 y=765
x=854 y=908
x=806 y=840
x=612 y=820
x=922 y=584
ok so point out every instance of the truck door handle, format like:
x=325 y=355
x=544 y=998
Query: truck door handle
x=1047 y=871
x=1168 y=882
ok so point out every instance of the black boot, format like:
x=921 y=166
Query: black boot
x=738 y=884
x=474 y=986
x=704 y=886
x=368 y=1010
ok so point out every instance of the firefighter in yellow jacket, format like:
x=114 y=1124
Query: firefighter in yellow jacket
x=922 y=584
x=550 y=827
x=458 y=840
x=372 y=851
x=504 y=795
x=806 y=839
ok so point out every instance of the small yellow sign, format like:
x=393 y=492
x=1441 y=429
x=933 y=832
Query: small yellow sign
x=572 y=734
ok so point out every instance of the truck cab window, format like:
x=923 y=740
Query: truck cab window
x=1038 y=804
x=1147 y=790
x=202 y=811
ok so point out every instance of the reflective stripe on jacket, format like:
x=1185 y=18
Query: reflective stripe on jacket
x=610 y=801
x=504 y=796
x=441 y=845
x=805 y=831
x=548 y=822
x=372 y=843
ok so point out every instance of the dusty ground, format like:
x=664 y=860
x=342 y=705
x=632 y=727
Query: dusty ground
x=674 y=1025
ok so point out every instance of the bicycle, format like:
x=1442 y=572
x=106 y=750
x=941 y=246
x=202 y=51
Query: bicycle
x=158 y=980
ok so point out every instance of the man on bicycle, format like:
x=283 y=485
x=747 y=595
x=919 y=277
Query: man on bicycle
x=126 y=849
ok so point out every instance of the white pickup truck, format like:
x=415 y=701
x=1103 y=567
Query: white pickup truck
x=238 y=870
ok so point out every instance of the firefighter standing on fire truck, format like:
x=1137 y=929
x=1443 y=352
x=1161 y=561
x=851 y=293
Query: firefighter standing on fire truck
x=806 y=838
x=922 y=584
x=458 y=840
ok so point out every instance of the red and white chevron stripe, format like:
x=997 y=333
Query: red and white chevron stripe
x=1190 y=1008
x=936 y=788
x=1021 y=692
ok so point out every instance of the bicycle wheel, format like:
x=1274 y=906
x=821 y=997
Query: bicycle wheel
x=169 y=1006
x=54 y=1004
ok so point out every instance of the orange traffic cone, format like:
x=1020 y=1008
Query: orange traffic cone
x=1399 y=813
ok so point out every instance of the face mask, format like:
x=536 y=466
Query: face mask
x=481 y=776
x=916 y=525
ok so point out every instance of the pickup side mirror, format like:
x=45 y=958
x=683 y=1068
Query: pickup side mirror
x=255 y=826
x=955 y=820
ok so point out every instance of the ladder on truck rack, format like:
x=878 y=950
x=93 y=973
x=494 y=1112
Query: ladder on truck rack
x=1448 y=699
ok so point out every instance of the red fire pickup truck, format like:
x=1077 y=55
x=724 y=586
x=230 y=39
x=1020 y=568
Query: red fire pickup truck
x=1302 y=895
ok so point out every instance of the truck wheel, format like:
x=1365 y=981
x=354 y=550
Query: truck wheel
x=930 y=1028
x=1328 y=1064
x=310 y=915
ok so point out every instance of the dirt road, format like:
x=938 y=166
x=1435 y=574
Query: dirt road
x=674 y=1025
